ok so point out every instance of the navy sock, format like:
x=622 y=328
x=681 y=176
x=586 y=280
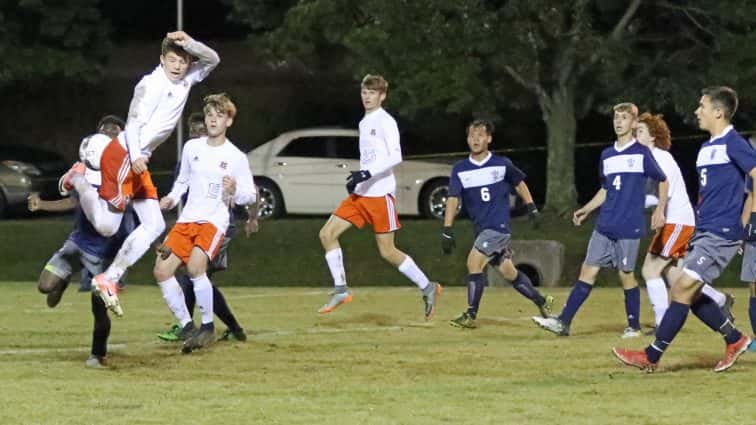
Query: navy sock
x=673 y=321
x=752 y=313
x=223 y=311
x=632 y=307
x=188 y=288
x=711 y=314
x=524 y=286
x=476 y=282
x=578 y=295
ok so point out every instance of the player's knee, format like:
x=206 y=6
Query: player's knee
x=326 y=235
x=195 y=270
x=161 y=273
x=48 y=282
x=649 y=272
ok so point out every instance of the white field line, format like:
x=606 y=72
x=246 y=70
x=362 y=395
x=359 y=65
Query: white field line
x=17 y=351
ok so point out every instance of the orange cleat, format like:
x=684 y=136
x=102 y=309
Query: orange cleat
x=732 y=352
x=635 y=358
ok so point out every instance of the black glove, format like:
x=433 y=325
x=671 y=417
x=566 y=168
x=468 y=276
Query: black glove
x=750 y=228
x=533 y=215
x=447 y=240
x=356 y=177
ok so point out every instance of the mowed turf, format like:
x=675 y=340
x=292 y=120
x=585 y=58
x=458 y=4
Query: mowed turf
x=374 y=361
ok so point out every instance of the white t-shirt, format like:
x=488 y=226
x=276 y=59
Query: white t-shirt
x=202 y=170
x=679 y=210
x=380 y=151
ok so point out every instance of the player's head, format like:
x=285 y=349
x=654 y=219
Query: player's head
x=196 y=124
x=716 y=107
x=175 y=60
x=479 y=136
x=652 y=131
x=110 y=125
x=219 y=114
x=625 y=118
x=373 y=91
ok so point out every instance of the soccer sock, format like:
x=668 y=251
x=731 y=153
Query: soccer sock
x=632 y=307
x=413 y=272
x=101 y=330
x=476 y=283
x=188 y=289
x=671 y=323
x=203 y=290
x=135 y=245
x=710 y=313
x=752 y=313
x=223 y=311
x=174 y=297
x=335 y=260
x=578 y=295
x=715 y=295
x=658 y=296
x=97 y=211
x=523 y=285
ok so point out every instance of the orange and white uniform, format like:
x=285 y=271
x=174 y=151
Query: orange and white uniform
x=155 y=110
x=204 y=219
x=671 y=241
x=373 y=200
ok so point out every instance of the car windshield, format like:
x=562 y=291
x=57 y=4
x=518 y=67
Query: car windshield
x=345 y=147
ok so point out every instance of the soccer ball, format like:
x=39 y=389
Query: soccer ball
x=91 y=148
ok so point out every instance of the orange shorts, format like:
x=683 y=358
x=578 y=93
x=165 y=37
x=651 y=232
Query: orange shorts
x=183 y=237
x=119 y=183
x=379 y=211
x=671 y=241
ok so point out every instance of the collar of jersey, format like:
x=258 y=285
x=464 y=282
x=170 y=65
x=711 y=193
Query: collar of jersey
x=632 y=142
x=479 y=163
x=170 y=84
x=722 y=134
x=380 y=108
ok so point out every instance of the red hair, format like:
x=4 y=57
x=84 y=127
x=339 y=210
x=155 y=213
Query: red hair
x=658 y=129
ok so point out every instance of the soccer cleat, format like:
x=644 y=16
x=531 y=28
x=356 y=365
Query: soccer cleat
x=172 y=334
x=65 y=184
x=727 y=307
x=430 y=298
x=54 y=296
x=237 y=335
x=200 y=339
x=635 y=358
x=732 y=352
x=631 y=333
x=336 y=300
x=108 y=293
x=464 y=321
x=552 y=324
x=650 y=331
x=752 y=346
x=548 y=304
x=97 y=362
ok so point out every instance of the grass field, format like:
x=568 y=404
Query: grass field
x=374 y=361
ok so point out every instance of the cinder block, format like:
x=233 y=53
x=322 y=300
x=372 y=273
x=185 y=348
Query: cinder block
x=542 y=261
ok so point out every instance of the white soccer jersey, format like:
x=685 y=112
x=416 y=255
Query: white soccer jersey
x=679 y=210
x=202 y=170
x=158 y=103
x=380 y=152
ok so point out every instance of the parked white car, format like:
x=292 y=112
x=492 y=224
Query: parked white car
x=304 y=172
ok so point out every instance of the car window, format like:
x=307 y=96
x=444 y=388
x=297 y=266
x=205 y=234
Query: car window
x=323 y=147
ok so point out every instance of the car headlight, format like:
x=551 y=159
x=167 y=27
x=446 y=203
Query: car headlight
x=23 y=167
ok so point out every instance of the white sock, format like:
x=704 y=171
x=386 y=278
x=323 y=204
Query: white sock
x=715 y=295
x=103 y=219
x=203 y=291
x=133 y=248
x=335 y=261
x=174 y=297
x=657 y=295
x=413 y=273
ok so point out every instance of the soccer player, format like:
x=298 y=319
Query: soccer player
x=371 y=200
x=196 y=124
x=216 y=174
x=722 y=163
x=748 y=268
x=483 y=182
x=156 y=107
x=624 y=168
x=670 y=243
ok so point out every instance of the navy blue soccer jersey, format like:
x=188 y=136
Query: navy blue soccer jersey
x=86 y=237
x=723 y=163
x=484 y=188
x=623 y=174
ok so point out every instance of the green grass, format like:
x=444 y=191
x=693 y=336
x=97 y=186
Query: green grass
x=374 y=361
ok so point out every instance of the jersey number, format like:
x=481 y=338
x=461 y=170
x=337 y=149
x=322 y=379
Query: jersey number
x=703 y=176
x=617 y=182
x=484 y=194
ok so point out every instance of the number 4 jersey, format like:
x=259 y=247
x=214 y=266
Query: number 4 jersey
x=484 y=188
x=623 y=174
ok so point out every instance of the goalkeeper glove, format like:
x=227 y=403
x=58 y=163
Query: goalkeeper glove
x=533 y=215
x=356 y=177
x=750 y=228
x=447 y=240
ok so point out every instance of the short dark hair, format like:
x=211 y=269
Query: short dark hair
x=169 y=45
x=111 y=119
x=479 y=122
x=196 y=118
x=723 y=97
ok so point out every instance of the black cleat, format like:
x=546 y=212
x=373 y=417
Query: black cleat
x=236 y=335
x=200 y=339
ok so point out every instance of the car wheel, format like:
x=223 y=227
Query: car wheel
x=433 y=198
x=271 y=203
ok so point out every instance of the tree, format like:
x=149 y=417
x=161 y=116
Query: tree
x=569 y=57
x=45 y=39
